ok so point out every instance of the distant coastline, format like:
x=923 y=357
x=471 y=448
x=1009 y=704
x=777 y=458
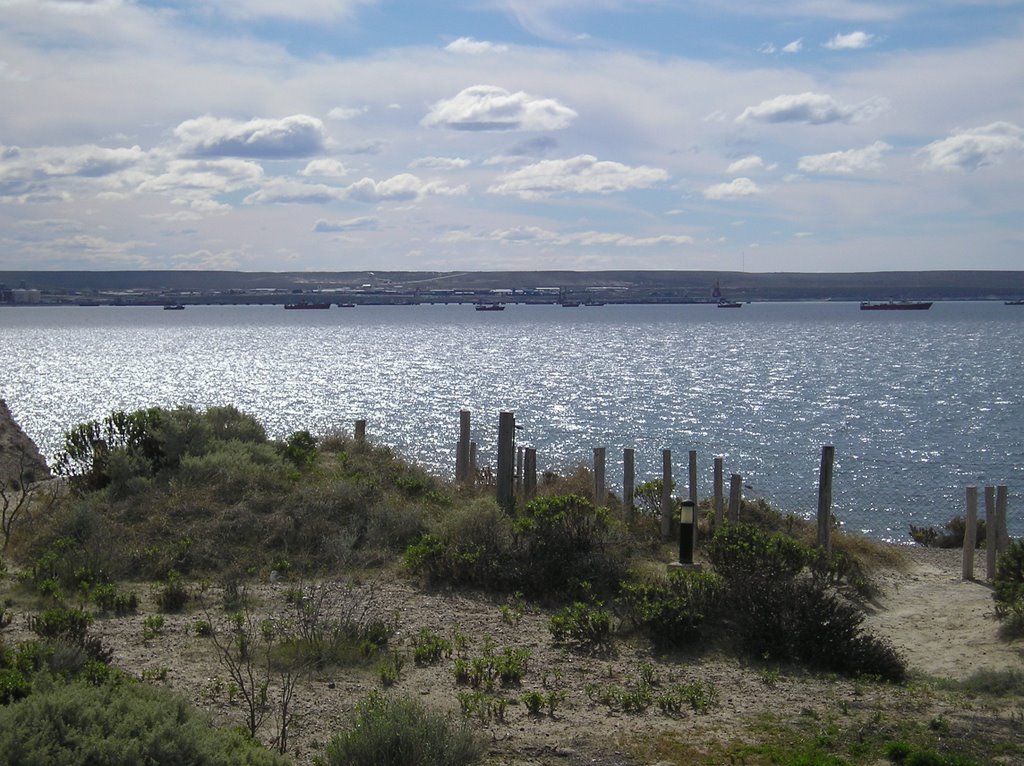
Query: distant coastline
x=404 y=287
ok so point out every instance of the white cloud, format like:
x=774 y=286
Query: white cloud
x=767 y=48
x=474 y=47
x=306 y=10
x=352 y=224
x=748 y=164
x=812 y=109
x=324 y=168
x=794 y=47
x=286 y=138
x=531 y=234
x=976 y=147
x=278 y=191
x=440 y=163
x=347 y=112
x=735 y=189
x=193 y=181
x=29 y=174
x=851 y=42
x=583 y=174
x=847 y=162
x=488 y=107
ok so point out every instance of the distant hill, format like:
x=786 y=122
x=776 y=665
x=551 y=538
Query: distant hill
x=927 y=285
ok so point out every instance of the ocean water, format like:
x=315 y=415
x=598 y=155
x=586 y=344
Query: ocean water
x=918 y=405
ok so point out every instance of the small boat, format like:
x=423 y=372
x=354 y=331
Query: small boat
x=570 y=304
x=724 y=304
x=293 y=306
x=173 y=307
x=346 y=305
x=490 y=307
x=895 y=305
x=1018 y=302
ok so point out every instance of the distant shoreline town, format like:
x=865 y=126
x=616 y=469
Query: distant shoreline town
x=307 y=289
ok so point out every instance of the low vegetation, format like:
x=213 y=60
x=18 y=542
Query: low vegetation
x=199 y=504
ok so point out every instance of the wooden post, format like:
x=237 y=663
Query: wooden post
x=473 y=465
x=719 y=491
x=600 y=486
x=1002 y=537
x=462 y=471
x=628 y=482
x=693 y=480
x=970 y=533
x=519 y=471
x=530 y=478
x=990 y=533
x=828 y=454
x=666 y=494
x=506 y=461
x=360 y=432
x=735 y=497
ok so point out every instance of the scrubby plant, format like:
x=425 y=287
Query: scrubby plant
x=429 y=647
x=672 y=611
x=401 y=731
x=950 y=536
x=1008 y=585
x=586 y=625
x=741 y=551
x=118 y=724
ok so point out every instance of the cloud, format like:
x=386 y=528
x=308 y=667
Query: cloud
x=400 y=188
x=347 y=112
x=735 y=189
x=27 y=175
x=583 y=174
x=287 y=138
x=794 y=47
x=851 y=42
x=278 y=191
x=524 y=151
x=812 y=109
x=352 y=224
x=747 y=164
x=324 y=168
x=532 y=234
x=976 y=147
x=440 y=163
x=488 y=107
x=845 y=163
x=474 y=47
x=307 y=10
x=205 y=177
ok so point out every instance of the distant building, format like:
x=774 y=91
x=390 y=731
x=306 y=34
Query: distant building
x=22 y=295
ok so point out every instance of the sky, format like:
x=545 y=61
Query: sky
x=342 y=135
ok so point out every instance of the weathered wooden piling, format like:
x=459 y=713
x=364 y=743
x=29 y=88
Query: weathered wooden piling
x=970 y=533
x=1002 y=536
x=462 y=469
x=473 y=464
x=828 y=454
x=530 y=474
x=719 y=491
x=360 y=431
x=666 y=494
x=506 y=461
x=600 y=485
x=692 y=477
x=519 y=471
x=990 y=533
x=628 y=482
x=735 y=497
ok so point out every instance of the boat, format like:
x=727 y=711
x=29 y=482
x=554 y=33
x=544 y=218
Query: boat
x=346 y=305
x=895 y=305
x=570 y=304
x=291 y=306
x=173 y=307
x=1018 y=302
x=490 y=307
x=724 y=304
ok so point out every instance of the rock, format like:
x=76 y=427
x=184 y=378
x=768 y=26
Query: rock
x=20 y=459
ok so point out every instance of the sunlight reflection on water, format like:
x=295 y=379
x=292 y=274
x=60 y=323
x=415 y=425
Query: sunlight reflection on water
x=917 y=406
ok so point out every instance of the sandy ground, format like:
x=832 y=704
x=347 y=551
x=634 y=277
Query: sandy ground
x=943 y=626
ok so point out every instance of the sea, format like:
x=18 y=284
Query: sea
x=918 y=405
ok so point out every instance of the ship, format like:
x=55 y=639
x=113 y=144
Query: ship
x=895 y=305
x=173 y=307
x=490 y=307
x=291 y=306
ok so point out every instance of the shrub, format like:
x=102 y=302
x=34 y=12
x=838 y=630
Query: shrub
x=118 y=725
x=672 y=612
x=428 y=647
x=742 y=551
x=400 y=731
x=951 y=537
x=587 y=625
x=1009 y=583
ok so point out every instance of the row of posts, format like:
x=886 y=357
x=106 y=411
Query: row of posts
x=517 y=475
x=996 y=537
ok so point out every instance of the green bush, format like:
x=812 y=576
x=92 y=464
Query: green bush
x=118 y=725
x=741 y=551
x=13 y=686
x=401 y=731
x=589 y=626
x=1009 y=583
x=672 y=612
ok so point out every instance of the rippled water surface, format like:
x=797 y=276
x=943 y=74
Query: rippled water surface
x=918 y=404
